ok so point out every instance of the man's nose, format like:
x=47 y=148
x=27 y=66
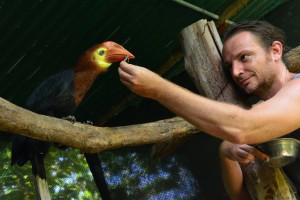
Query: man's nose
x=237 y=69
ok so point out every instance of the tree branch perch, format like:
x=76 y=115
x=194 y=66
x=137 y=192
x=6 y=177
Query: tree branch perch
x=87 y=138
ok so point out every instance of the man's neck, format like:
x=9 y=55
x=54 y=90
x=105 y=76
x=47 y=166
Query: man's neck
x=282 y=78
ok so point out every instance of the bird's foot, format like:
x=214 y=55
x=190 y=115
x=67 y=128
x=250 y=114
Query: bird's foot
x=89 y=122
x=70 y=118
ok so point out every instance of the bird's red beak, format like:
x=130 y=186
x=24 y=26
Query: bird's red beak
x=116 y=53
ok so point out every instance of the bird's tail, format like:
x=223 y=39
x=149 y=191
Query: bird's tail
x=95 y=166
x=40 y=181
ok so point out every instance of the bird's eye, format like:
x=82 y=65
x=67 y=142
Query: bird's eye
x=101 y=52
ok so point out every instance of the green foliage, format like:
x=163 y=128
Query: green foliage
x=130 y=174
x=67 y=173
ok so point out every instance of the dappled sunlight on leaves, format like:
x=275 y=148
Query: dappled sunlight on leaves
x=130 y=174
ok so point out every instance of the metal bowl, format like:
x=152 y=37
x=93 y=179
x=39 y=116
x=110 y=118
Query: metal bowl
x=282 y=151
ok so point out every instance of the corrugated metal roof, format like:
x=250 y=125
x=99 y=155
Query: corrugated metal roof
x=39 y=38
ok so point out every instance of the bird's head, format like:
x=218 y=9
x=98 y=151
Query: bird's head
x=112 y=52
x=103 y=55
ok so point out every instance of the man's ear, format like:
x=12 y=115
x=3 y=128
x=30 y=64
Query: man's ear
x=277 y=50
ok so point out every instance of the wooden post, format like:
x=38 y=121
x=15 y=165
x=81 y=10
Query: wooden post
x=202 y=48
x=202 y=55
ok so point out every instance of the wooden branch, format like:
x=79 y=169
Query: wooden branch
x=89 y=139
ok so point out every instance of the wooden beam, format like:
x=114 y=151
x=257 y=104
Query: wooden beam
x=203 y=62
x=293 y=58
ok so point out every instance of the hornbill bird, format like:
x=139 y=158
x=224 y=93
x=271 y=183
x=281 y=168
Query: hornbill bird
x=59 y=96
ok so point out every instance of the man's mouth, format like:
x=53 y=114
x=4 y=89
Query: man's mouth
x=243 y=81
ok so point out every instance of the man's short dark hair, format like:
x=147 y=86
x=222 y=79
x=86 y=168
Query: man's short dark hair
x=264 y=31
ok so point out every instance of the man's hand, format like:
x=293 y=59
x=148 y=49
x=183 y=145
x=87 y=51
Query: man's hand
x=140 y=80
x=237 y=152
x=242 y=153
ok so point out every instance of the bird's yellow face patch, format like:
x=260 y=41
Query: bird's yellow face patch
x=99 y=56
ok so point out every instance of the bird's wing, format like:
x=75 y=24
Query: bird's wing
x=54 y=95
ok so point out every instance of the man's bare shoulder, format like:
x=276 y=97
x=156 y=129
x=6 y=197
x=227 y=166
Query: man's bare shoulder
x=285 y=102
x=287 y=99
x=291 y=89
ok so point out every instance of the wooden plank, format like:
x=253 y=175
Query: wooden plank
x=197 y=38
x=202 y=46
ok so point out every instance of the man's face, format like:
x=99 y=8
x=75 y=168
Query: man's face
x=248 y=62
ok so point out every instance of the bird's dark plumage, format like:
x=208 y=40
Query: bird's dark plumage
x=59 y=96
x=53 y=98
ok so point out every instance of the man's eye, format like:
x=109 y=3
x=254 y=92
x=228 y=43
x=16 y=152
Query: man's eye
x=245 y=56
